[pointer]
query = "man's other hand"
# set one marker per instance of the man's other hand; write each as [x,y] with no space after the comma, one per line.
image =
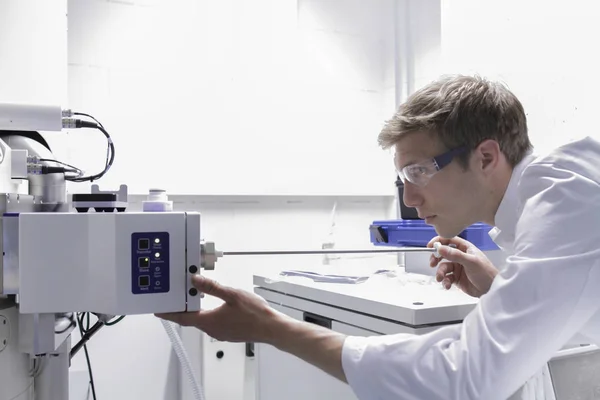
[465,266]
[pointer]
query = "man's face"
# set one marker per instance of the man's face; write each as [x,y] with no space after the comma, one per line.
[450,198]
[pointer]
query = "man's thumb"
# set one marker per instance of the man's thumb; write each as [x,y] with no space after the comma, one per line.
[211,287]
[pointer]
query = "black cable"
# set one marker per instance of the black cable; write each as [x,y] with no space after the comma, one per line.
[110,154]
[110,150]
[74,169]
[72,323]
[85,337]
[89,364]
[89,116]
[59,170]
[80,320]
[87,358]
[86,334]
[116,321]
[100,124]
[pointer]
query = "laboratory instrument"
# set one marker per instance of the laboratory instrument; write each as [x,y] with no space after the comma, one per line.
[67,257]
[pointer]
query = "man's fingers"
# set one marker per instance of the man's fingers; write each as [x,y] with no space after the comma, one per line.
[198,319]
[212,288]
[455,255]
[446,274]
[435,258]
[448,281]
[446,241]
[437,239]
[444,269]
[457,241]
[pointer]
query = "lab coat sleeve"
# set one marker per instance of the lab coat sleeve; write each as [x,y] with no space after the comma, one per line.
[546,294]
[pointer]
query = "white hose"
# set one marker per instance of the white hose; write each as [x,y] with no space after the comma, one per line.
[183,359]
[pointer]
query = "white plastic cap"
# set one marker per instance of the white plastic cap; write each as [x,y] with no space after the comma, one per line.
[437,246]
[157,201]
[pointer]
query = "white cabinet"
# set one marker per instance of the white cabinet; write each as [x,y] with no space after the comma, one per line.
[284,376]
[223,366]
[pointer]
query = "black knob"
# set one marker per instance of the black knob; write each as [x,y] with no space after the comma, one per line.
[220,354]
[193,269]
[193,291]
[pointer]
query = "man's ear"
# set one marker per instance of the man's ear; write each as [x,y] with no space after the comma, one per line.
[488,155]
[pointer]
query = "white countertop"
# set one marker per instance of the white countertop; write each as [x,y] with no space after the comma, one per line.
[397,295]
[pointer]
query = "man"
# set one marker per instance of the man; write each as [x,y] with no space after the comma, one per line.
[462,149]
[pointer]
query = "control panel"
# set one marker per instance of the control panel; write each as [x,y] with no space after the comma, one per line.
[149,262]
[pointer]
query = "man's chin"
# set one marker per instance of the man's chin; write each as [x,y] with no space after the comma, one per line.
[446,233]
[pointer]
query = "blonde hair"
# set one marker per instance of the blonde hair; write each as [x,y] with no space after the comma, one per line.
[463,111]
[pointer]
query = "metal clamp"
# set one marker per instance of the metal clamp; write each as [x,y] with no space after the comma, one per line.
[209,255]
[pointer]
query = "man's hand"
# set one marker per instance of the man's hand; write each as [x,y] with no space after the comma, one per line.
[465,266]
[244,317]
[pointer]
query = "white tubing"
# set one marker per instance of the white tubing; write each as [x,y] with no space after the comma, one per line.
[183,359]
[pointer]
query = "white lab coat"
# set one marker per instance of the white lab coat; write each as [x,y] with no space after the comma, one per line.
[548,292]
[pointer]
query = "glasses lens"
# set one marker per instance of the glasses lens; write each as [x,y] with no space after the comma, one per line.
[418,174]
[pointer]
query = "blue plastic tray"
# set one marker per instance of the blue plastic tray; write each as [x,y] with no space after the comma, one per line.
[415,233]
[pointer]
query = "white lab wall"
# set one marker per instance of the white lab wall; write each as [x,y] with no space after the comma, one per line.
[417,45]
[33,56]
[203,95]
[33,51]
[207,86]
[544,51]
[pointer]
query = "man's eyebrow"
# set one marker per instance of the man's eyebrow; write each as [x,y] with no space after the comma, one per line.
[405,164]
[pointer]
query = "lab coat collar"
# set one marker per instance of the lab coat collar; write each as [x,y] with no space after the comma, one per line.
[507,215]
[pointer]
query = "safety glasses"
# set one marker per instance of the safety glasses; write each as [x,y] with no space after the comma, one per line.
[420,173]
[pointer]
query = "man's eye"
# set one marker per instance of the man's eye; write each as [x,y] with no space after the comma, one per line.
[419,170]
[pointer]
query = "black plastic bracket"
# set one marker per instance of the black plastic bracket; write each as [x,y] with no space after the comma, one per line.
[380,234]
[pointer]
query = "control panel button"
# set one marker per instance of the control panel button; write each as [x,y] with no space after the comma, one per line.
[143,244]
[144,262]
[144,280]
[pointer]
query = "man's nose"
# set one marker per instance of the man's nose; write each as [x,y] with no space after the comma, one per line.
[411,196]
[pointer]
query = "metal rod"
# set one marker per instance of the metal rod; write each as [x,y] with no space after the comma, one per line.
[326,251]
